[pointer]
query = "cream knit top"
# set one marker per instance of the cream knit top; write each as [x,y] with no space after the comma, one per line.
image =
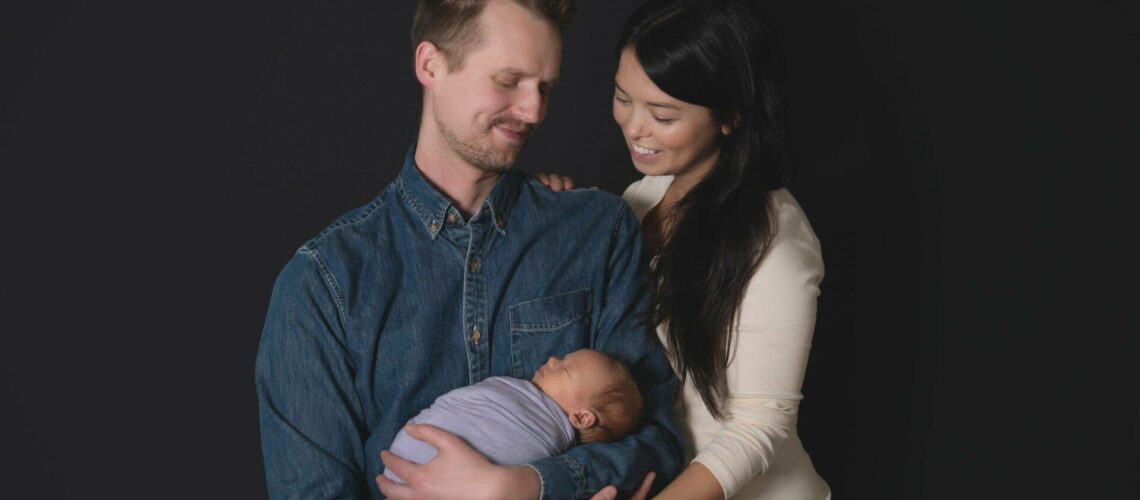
[756,453]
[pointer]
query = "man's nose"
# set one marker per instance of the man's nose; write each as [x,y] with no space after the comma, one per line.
[530,106]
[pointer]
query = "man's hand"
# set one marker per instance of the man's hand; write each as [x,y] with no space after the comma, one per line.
[457,471]
[610,492]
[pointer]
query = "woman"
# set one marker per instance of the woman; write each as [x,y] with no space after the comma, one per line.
[735,266]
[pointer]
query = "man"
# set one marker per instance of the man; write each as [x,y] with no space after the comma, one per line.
[459,270]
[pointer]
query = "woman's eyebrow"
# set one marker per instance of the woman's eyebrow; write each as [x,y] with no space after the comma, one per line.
[653,104]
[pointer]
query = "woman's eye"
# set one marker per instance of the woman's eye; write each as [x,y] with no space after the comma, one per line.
[504,83]
[621,100]
[664,121]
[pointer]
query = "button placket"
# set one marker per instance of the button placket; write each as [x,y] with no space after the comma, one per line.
[474,298]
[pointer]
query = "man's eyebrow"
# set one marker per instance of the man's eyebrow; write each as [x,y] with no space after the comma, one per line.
[652,104]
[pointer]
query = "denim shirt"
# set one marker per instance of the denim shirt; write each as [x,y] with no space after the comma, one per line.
[402,300]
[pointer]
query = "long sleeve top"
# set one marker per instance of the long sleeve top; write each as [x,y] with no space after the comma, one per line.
[756,453]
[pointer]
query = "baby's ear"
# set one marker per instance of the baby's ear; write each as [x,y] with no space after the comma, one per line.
[583,419]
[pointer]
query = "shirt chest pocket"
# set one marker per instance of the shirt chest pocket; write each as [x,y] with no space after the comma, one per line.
[549,326]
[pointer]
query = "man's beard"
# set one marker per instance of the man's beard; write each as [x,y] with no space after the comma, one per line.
[480,150]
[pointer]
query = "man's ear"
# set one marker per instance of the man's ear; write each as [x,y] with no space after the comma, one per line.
[430,64]
[583,419]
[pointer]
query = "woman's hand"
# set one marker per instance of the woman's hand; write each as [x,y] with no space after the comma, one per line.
[555,182]
[610,492]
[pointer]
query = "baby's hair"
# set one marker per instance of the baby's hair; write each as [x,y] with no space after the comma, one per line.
[618,408]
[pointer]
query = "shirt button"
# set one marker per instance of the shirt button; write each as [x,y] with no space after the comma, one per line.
[475,336]
[499,223]
[474,265]
[451,218]
[433,227]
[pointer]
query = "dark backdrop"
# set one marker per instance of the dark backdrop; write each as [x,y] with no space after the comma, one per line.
[962,162]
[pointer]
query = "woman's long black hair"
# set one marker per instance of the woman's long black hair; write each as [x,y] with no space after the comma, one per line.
[717,54]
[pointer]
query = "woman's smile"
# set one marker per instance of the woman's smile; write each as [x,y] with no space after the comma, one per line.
[643,154]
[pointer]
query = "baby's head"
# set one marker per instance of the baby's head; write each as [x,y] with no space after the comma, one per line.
[596,391]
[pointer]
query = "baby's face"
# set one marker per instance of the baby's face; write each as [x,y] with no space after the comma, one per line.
[574,380]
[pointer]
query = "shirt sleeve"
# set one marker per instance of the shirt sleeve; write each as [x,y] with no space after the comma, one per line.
[623,332]
[311,430]
[770,355]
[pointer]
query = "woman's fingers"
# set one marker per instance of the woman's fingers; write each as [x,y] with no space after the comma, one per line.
[610,492]
[643,490]
[555,182]
[607,493]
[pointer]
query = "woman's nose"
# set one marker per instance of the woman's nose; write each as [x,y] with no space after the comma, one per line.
[635,127]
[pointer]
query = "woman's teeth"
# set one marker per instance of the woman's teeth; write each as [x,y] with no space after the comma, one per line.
[643,151]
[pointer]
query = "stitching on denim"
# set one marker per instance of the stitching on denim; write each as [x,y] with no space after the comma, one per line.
[563,294]
[546,327]
[376,204]
[411,200]
[330,281]
[577,475]
[407,197]
[617,223]
[531,326]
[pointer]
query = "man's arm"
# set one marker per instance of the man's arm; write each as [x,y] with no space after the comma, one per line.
[586,469]
[311,425]
[623,332]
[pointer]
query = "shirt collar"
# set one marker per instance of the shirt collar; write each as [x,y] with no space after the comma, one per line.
[431,206]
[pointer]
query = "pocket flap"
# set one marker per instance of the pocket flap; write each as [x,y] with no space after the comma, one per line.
[550,313]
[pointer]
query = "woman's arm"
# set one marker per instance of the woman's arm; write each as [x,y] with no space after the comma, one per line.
[696,482]
[766,370]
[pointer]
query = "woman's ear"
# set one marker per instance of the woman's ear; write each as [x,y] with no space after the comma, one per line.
[430,62]
[728,127]
[583,419]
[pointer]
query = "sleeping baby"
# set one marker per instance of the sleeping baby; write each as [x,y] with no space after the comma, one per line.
[585,397]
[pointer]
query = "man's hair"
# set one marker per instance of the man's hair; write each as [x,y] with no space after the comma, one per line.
[452,25]
[618,408]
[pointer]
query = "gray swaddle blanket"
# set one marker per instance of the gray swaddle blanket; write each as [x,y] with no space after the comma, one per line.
[509,420]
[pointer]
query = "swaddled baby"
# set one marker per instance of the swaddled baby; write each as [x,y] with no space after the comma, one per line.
[585,397]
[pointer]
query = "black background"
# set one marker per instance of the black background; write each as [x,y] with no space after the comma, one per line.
[962,162]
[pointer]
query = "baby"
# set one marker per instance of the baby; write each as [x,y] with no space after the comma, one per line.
[586,395]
